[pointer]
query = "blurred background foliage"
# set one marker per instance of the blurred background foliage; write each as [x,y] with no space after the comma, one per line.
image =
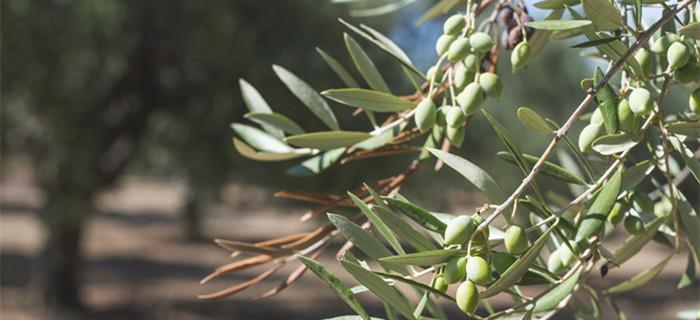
[96,90]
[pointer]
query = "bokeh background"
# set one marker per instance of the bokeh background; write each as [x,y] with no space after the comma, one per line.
[118,169]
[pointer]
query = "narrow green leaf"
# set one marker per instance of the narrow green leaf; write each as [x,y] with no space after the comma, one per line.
[558,25]
[557,294]
[365,65]
[361,238]
[439,8]
[248,152]
[307,95]
[556,4]
[639,279]
[338,68]
[533,121]
[255,103]
[276,120]
[599,210]
[316,164]
[378,223]
[369,99]
[548,168]
[477,176]
[690,129]
[415,284]
[615,143]
[403,230]
[381,289]
[336,284]
[636,174]
[689,222]
[516,271]
[636,242]
[260,140]
[425,258]
[596,42]
[604,15]
[689,275]
[326,140]
[541,37]
[388,43]
[691,30]
[419,215]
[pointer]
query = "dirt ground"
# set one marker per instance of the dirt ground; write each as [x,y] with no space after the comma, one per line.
[138,266]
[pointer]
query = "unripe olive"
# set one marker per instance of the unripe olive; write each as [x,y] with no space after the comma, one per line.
[443,43]
[520,56]
[454,117]
[491,84]
[694,101]
[677,55]
[617,213]
[471,62]
[454,24]
[642,203]
[587,135]
[480,42]
[459,230]
[501,261]
[640,101]
[455,270]
[467,297]
[483,236]
[597,116]
[478,270]
[643,57]
[439,284]
[458,49]
[627,120]
[566,255]
[634,225]
[425,114]
[462,77]
[687,73]
[554,264]
[455,135]
[435,73]
[516,240]
[470,98]
[661,45]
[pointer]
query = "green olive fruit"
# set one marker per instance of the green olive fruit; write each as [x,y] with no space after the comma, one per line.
[425,114]
[458,49]
[640,101]
[443,43]
[467,297]
[554,264]
[454,117]
[687,73]
[439,284]
[617,213]
[694,101]
[459,230]
[462,77]
[471,62]
[661,45]
[566,256]
[642,203]
[643,57]
[455,135]
[516,240]
[634,225]
[501,261]
[597,116]
[483,236]
[627,120]
[441,117]
[520,56]
[491,84]
[480,42]
[470,98]
[587,135]
[478,270]
[678,55]
[454,24]
[455,270]
[434,73]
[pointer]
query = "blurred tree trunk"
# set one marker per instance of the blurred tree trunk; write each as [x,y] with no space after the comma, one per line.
[192,214]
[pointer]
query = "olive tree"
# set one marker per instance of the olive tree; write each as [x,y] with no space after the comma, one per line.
[521,237]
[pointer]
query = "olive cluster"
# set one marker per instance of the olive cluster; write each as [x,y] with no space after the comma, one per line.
[636,209]
[636,103]
[481,266]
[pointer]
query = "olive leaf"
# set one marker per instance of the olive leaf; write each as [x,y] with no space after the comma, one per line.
[692,163]
[442,7]
[596,42]
[513,274]
[307,95]
[636,242]
[425,258]
[369,99]
[556,4]
[689,275]
[260,140]
[601,207]
[316,164]
[533,121]
[689,222]
[477,176]
[326,140]
[639,279]
[548,168]
[361,238]
[378,223]
[276,120]
[541,37]
[636,174]
[690,129]
[554,297]
[248,152]
[338,68]
[365,66]
[256,103]
[381,289]
[404,230]
[558,25]
[604,15]
[336,284]
[691,30]
[615,143]
[508,141]
[415,284]
[421,216]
